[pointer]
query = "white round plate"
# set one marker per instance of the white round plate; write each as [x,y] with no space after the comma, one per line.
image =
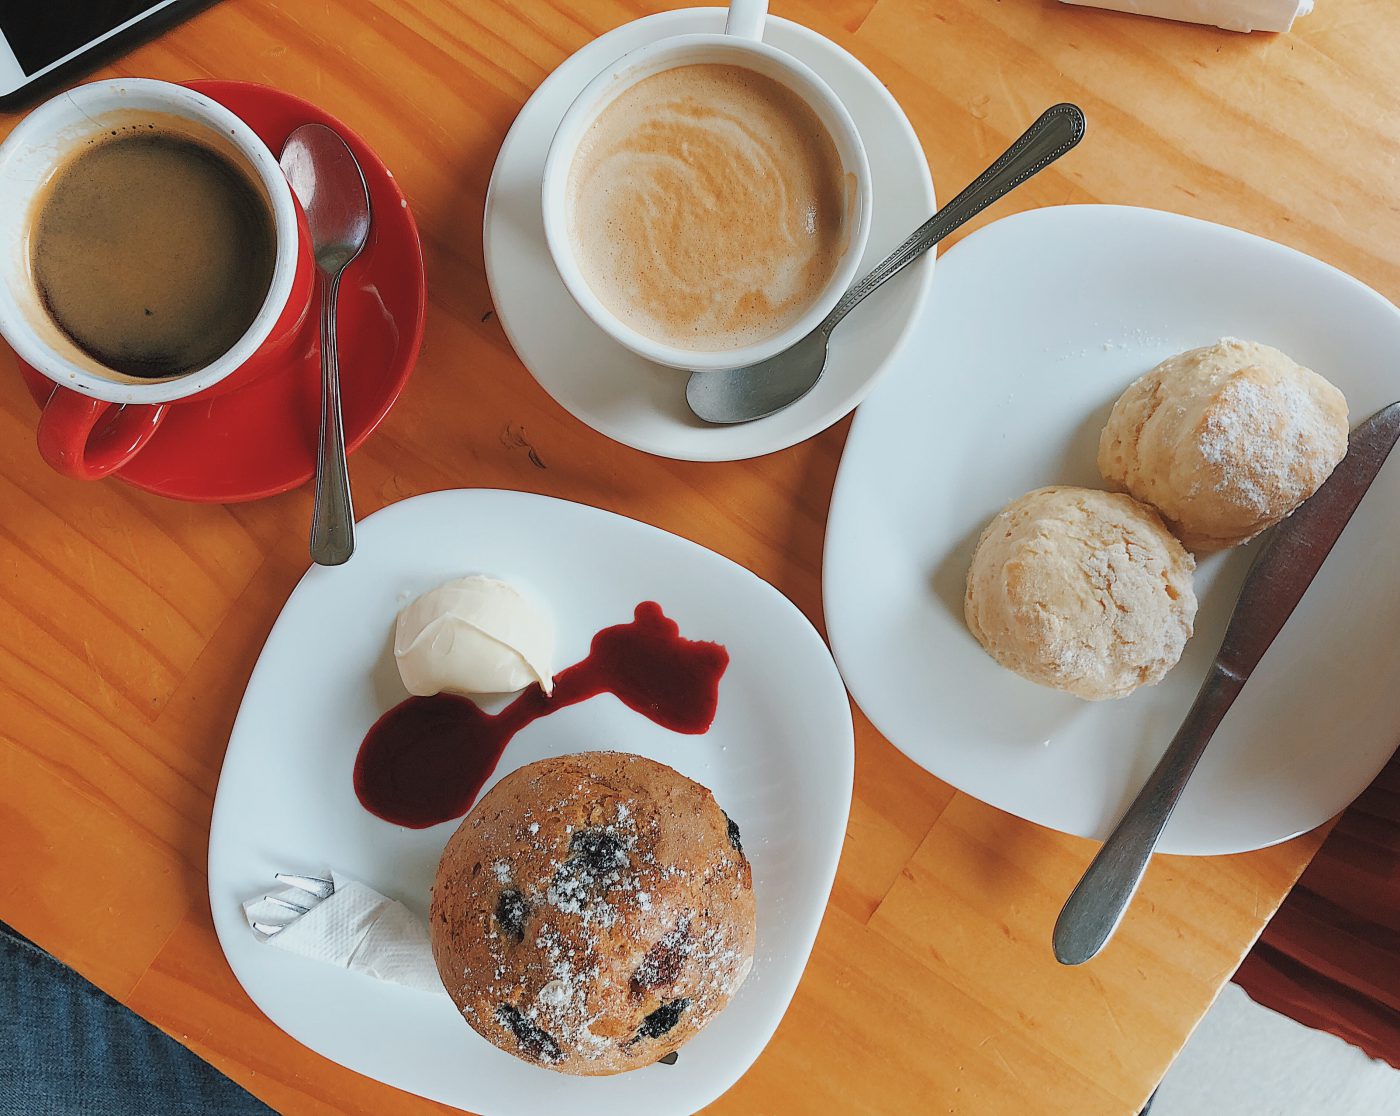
[779,758]
[1037,323]
[642,404]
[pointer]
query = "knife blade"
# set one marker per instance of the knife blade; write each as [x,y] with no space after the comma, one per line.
[1275,584]
[1300,544]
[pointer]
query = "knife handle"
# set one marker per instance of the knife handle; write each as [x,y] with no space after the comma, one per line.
[1095,907]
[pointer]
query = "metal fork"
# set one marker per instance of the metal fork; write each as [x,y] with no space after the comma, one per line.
[314,886]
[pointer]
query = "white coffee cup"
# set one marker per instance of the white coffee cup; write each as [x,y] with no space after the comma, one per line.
[740,45]
[86,390]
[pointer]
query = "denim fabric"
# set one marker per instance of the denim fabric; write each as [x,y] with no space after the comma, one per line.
[69,1049]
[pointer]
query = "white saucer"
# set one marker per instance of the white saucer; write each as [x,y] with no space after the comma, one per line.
[779,757]
[1038,323]
[642,404]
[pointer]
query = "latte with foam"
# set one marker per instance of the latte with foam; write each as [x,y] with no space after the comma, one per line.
[708,207]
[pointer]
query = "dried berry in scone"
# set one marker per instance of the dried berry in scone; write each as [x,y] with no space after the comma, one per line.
[593,912]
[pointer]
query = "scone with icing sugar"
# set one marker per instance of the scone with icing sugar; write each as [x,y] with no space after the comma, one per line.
[1224,440]
[1081,590]
[593,912]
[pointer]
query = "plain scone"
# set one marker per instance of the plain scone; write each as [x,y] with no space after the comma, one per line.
[1082,590]
[1224,440]
[593,912]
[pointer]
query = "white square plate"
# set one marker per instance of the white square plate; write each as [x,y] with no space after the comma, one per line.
[1035,326]
[779,758]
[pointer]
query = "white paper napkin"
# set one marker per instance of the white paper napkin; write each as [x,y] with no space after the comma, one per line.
[355,928]
[1232,15]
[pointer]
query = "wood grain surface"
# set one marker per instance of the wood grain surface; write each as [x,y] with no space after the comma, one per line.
[129,624]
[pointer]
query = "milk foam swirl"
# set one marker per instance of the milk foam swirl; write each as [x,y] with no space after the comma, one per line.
[707,206]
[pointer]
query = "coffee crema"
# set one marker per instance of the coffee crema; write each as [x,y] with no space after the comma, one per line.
[152,252]
[708,206]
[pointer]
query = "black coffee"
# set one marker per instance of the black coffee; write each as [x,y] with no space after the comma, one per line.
[152,252]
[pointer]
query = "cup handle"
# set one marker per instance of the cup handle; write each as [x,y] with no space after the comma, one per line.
[67,441]
[746,18]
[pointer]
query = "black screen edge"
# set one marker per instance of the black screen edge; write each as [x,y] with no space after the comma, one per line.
[90,59]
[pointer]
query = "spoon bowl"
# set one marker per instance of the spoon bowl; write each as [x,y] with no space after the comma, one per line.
[756,391]
[328,182]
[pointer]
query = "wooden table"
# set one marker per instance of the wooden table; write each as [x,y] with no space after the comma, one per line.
[128,624]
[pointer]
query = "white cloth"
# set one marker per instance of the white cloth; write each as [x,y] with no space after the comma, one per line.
[1232,15]
[355,928]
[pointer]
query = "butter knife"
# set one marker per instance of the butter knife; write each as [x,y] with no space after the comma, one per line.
[1276,583]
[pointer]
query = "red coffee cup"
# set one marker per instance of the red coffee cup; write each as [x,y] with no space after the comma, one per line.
[97,419]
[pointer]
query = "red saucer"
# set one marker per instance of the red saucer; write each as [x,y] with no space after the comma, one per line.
[261,440]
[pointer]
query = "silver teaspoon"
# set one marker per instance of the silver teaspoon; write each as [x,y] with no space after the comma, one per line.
[328,182]
[757,390]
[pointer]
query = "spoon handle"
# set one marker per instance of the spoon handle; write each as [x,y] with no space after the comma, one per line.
[1058,129]
[333,521]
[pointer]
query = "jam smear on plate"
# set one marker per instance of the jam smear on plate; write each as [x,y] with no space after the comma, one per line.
[425,760]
